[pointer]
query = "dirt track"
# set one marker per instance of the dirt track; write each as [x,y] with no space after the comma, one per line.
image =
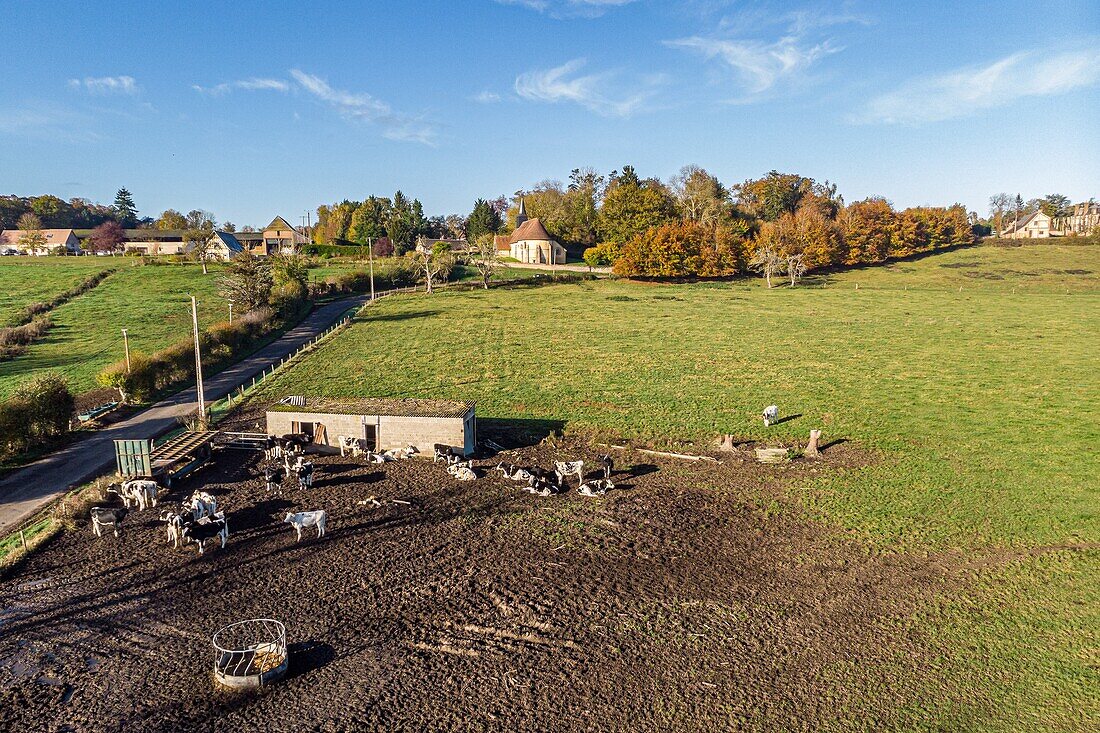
[694,597]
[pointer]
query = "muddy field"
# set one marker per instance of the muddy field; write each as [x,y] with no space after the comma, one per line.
[693,597]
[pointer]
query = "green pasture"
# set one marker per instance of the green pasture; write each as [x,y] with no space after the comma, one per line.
[970,377]
[26,280]
[152,302]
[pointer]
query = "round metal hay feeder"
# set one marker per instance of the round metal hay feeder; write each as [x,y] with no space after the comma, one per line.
[250,653]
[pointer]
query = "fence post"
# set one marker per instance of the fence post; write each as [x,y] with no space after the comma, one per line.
[23,539]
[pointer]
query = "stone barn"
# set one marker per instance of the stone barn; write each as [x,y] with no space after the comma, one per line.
[383,424]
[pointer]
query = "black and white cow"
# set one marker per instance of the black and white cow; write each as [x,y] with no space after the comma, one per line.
[273,478]
[564,469]
[463,471]
[301,520]
[201,505]
[174,523]
[305,475]
[596,487]
[110,519]
[206,529]
[607,463]
[514,473]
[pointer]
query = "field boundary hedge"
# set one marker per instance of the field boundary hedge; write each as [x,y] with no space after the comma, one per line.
[34,321]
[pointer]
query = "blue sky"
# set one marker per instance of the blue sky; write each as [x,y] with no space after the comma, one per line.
[250,109]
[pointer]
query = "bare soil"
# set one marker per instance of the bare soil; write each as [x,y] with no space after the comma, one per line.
[695,596]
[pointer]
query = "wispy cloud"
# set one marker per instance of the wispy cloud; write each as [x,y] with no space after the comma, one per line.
[105,84]
[592,91]
[486,97]
[569,8]
[763,61]
[758,64]
[970,90]
[50,122]
[252,84]
[360,106]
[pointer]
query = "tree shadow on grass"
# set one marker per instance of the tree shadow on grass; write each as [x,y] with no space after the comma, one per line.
[399,316]
[831,443]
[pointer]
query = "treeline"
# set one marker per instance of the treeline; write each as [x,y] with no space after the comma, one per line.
[694,225]
[50,212]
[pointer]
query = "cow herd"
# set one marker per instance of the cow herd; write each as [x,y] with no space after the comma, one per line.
[199,519]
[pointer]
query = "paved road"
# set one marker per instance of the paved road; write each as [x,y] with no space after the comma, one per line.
[24,491]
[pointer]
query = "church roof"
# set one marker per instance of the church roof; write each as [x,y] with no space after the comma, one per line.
[532,230]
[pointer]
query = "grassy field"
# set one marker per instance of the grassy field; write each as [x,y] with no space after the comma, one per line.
[151,302]
[26,280]
[972,375]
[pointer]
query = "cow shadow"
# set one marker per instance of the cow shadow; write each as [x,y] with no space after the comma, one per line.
[307,656]
[323,480]
[514,433]
[259,514]
[788,418]
[639,469]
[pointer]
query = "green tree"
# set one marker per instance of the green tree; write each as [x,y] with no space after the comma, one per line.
[248,281]
[631,207]
[1055,205]
[125,208]
[775,194]
[32,237]
[483,220]
[170,220]
[368,223]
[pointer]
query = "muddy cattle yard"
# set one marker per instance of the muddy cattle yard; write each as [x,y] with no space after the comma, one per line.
[695,596]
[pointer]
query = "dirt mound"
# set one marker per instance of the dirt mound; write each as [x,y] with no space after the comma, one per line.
[691,597]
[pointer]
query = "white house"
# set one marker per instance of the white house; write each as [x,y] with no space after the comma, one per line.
[55,239]
[1031,226]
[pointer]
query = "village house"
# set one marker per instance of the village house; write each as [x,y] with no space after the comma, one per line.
[1084,219]
[1036,225]
[56,241]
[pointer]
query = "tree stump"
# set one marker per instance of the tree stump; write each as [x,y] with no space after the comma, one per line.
[726,443]
[812,450]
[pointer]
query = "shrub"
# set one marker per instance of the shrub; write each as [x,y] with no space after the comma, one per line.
[683,249]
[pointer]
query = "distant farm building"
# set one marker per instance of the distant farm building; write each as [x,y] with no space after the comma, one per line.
[382,424]
[55,239]
[1084,219]
[424,244]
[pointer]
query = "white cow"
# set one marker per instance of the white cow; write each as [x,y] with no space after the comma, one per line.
[307,519]
[771,414]
[201,505]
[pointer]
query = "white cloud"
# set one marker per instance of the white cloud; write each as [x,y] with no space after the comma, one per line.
[253,84]
[361,106]
[972,89]
[105,84]
[591,91]
[487,97]
[569,8]
[758,64]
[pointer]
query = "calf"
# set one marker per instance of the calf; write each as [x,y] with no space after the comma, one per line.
[273,478]
[201,505]
[514,473]
[305,475]
[378,457]
[206,529]
[569,468]
[272,449]
[596,487]
[542,486]
[142,492]
[771,414]
[462,471]
[174,523]
[447,454]
[608,465]
[109,518]
[307,519]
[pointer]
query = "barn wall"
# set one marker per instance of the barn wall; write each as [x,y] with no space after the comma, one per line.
[393,432]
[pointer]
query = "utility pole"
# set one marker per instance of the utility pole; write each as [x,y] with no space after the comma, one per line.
[370,252]
[126,345]
[198,361]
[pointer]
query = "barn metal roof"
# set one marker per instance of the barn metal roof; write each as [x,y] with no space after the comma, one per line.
[391,407]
